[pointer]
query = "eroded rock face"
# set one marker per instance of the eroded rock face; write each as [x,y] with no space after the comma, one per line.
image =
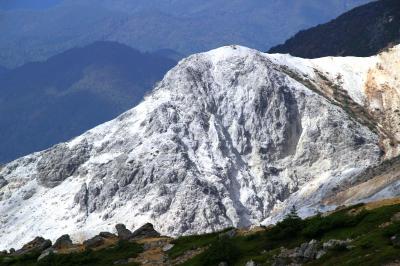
[3,182]
[59,163]
[226,139]
[383,98]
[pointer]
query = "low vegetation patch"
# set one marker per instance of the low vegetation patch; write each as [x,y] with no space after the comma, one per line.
[351,236]
[122,251]
[368,233]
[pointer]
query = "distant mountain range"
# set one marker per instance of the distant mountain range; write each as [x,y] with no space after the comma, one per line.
[28,4]
[186,26]
[48,102]
[3,70]
[364,31]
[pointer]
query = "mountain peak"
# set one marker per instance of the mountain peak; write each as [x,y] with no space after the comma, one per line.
[227,52]
[230,137]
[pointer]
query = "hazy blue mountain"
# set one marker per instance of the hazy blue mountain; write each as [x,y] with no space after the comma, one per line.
[169,53]
[185,26]
[3,70]
[363,31]
[28,4]
[48,102]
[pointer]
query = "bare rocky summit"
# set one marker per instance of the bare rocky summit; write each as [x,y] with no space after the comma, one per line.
[231,137]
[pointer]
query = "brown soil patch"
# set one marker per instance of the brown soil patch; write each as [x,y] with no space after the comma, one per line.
[251,231]
[382,203]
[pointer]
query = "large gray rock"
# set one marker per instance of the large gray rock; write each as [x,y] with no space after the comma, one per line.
[39,244]
[94,242]
[306,252]
[395,240]
[251,263]
[145,231]
[46,253]
[395,218]
[167,247]
[123,232]
[309,251]
[107,235]
[336,244]
[63,242]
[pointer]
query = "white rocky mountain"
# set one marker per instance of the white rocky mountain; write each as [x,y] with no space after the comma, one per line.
[231,137]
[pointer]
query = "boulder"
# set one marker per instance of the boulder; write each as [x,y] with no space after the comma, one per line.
[320,254]
[145,231]
[306,252]
[63,242]
[395,240]
[107,235]
[310,250]
[39,244]
[123,232]
[167,247]
[336,244]
[46,253]
[121,262]
[395,218]
[250,263]
[94,242]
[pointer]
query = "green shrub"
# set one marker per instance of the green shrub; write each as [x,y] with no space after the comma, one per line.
[288,228]
[318,226]
[366,244]
[391,230]
[107,256]
[185,243]
[222,250]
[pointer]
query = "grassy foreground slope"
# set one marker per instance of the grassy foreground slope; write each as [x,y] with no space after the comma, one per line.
[361,235]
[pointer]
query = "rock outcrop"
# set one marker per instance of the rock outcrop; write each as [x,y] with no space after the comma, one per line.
[145,231]
[123,233]
[37,245]
[309,251]
[94,242]
[63,242]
